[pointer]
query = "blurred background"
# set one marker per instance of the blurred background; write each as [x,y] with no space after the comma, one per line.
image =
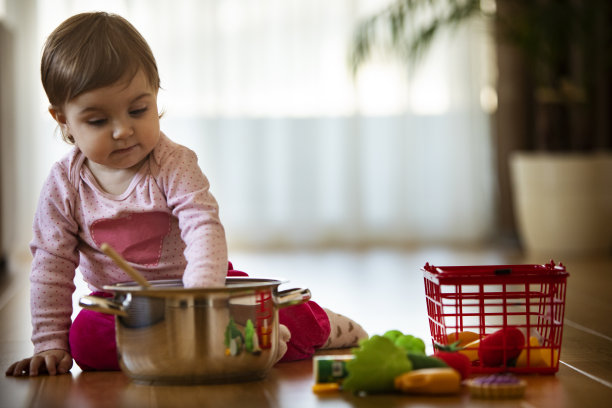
[300,152]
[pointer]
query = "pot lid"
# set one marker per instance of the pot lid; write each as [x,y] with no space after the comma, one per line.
[165,286]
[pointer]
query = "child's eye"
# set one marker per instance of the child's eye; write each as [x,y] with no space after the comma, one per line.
[138,112]
[96,122]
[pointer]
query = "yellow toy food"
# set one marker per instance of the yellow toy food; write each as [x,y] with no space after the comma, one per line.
[429,381]
[538,356]
[463,337]
[471,350]
[325,388]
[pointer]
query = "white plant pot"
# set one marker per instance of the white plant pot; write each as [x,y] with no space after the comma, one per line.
[563,202]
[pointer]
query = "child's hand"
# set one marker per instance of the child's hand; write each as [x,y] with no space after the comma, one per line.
[49,361]
[284,335]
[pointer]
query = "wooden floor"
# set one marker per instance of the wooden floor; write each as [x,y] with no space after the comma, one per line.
[381,289]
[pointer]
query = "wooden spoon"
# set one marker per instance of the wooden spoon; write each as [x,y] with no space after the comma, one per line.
[118,259]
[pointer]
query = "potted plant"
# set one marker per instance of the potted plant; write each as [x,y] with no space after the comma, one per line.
[564,50]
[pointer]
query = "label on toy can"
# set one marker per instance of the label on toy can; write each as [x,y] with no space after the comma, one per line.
[330,369]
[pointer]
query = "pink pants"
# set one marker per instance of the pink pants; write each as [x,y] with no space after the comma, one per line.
[93,347]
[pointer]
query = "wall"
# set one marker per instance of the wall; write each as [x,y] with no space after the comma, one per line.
[6,128]
[17,127]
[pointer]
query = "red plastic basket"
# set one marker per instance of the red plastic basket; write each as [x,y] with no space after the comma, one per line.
[485,299]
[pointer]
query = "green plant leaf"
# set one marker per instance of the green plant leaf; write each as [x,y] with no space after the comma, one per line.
[406,28]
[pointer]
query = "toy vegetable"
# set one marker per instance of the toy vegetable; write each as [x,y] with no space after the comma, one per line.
[408,342]
[420,361]
[499,347]
[455,360]
[376,364]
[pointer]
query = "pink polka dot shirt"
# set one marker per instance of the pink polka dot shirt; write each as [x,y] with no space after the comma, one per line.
[166,225]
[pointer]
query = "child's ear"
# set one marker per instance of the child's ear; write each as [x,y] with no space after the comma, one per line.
[62,122]
[57,114]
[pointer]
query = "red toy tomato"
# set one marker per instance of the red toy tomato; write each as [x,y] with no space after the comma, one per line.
[499,347]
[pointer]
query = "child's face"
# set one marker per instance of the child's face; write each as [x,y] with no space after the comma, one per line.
[116,126]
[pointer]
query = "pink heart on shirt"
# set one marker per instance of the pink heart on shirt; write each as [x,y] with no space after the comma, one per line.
[138,237]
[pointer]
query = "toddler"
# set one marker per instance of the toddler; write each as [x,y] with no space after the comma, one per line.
[126,183]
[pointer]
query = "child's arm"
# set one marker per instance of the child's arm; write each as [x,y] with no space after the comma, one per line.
[188,195]
[55,258]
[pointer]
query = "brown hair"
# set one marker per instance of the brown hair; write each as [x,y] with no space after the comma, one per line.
[92,50]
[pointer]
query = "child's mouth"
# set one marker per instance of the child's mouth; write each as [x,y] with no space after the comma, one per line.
[125,150]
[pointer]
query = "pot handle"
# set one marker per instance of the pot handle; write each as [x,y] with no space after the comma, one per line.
[102,305]
[291,297]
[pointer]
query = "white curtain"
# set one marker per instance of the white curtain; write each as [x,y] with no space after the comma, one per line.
[297,152]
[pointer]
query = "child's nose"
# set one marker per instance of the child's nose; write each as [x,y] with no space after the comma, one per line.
[123,129]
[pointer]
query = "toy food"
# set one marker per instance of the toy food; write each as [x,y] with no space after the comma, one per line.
[500,346]
[464,338]
[496,386]
[470,350]
[325,388]
[410,343]
[538,356]
[392,334]
[380,364]
[330,369]
[455,360]
[429,381]
[420,361]
[376,364]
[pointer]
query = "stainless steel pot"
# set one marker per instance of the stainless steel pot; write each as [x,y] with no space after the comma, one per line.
[171,334]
